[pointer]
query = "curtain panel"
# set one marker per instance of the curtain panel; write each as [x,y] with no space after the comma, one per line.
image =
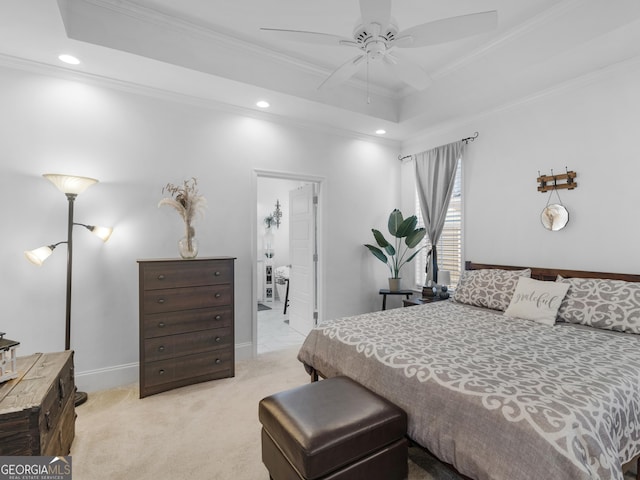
[435,171]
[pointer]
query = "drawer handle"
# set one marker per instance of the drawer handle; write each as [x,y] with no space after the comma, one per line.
[47,419]
[161,300]
[161,325]
[161,371]
[218,295]
[217,317]
[218,361]
[161,277]
[218,339]
[217,274]
[161,348]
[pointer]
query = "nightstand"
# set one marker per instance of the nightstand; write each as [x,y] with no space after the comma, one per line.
[385,291]
[412,302]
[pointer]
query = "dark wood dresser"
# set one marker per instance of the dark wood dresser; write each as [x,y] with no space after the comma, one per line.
[186,322]
[37,412]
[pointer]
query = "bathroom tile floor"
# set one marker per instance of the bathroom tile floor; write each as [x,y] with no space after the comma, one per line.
[273,332]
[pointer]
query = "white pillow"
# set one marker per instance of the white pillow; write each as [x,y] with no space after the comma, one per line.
[537,300]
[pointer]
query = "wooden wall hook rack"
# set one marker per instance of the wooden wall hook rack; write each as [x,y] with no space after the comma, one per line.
[564,180]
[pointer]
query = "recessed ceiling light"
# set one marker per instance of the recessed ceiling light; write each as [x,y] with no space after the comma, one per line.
[380,131]
[262,104]
[70,59]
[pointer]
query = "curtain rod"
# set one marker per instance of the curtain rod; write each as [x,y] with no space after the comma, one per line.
[465,140]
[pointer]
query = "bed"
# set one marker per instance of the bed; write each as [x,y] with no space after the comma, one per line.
[500,396]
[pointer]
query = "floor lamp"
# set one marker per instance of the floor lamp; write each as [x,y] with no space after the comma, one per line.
[71,186]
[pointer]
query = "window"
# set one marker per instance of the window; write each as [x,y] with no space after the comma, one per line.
[450,244]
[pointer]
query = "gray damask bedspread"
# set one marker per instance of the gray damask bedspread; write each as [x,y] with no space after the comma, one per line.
[498,398]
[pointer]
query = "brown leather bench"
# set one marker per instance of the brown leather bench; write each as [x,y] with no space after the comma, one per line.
[334,429]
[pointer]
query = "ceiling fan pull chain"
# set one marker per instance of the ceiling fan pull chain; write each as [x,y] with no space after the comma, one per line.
[368,96]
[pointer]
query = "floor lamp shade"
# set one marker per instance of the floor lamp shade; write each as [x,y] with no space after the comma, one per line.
[39,255]
[70,184]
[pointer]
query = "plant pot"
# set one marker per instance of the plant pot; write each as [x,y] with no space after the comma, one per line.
[394,284]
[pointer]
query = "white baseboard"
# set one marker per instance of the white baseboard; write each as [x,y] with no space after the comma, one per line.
[108,377]
[244,351]
[119,375]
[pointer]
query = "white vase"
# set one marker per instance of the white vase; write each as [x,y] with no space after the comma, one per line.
[394,284]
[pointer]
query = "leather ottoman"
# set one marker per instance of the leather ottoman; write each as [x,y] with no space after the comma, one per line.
[334,429]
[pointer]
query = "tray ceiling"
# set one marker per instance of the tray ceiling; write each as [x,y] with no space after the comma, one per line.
[214,51]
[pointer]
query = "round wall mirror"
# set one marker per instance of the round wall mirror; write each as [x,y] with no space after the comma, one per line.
[554,217]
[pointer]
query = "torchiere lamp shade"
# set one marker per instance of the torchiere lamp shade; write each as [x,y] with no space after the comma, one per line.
[70,184]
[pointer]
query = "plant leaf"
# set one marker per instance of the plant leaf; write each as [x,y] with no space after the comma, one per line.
[415,237]
[390,250]
[395,220]
[413,255]
[377,253]
[407,226]
[175,204]
[379,238]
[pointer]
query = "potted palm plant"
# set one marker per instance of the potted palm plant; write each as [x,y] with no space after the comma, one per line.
[397,253]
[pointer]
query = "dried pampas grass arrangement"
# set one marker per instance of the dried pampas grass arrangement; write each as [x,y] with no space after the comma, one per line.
[189,204]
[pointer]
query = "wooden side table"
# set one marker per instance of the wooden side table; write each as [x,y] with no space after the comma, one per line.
[385,291]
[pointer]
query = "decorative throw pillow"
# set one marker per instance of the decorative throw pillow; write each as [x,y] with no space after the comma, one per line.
[537,300]
[599,303]
[489,288]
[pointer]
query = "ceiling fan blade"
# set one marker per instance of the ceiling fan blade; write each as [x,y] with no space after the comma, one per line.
[409,72]
[447,30]
[343,72]
[315,38]
[376,11]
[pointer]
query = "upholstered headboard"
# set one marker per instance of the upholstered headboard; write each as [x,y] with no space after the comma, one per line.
[552,273]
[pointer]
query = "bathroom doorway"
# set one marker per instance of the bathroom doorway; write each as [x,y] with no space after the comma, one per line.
[282,248]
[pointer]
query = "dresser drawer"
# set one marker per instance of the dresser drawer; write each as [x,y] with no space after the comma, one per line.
[171,323]
[162,275]
[171,300]
[161,348]
[190,366]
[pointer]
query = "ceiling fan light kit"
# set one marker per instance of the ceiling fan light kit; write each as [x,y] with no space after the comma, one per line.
[377,36]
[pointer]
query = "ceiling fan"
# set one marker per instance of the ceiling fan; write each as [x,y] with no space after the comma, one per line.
[377,36]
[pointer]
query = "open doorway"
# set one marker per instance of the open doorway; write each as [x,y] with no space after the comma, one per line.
[286,273]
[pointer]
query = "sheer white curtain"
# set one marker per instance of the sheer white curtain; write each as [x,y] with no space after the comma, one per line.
[435,177]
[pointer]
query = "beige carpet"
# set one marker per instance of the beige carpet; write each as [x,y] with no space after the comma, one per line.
[208,431]
[201,432]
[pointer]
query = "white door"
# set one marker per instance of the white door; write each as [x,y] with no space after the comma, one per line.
[302,245]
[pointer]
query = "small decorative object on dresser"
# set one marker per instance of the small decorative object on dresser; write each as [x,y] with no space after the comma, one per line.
[37,412]
[189,204]
[8,369]
[186,322]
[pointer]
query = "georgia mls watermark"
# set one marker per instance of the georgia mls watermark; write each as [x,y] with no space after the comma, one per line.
[35,468]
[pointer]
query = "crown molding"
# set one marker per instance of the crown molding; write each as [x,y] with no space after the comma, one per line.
[528,26]
[615,69]
[46,69]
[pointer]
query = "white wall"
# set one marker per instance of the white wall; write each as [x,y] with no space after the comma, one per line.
[590,126]
[135,144]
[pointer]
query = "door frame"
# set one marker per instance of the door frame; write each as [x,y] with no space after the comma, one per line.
[320,181]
